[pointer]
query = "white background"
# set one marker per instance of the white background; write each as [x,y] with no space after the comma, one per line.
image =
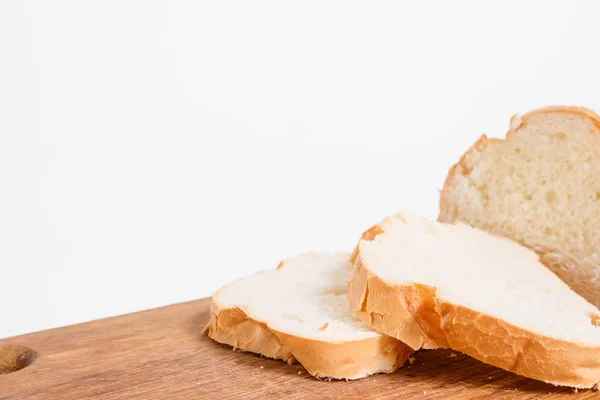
[151,151]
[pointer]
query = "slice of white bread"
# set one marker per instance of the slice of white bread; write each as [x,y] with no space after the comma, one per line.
[431,284]
[300,312]
[540,187]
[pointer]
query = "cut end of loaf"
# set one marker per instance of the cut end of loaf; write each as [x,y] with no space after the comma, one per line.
[540,187]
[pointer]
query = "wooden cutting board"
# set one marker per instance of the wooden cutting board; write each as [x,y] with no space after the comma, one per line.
[161,354]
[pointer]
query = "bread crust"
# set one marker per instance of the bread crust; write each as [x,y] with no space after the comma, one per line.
[483,337]
[367,292]
[346,360]
[579,111]
[584,278]
[233,327]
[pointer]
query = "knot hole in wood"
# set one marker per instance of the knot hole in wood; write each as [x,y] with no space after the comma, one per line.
[15,357]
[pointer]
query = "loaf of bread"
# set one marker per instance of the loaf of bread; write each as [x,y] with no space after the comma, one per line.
[299,312]
[541,187]
[491,278]
[432,284]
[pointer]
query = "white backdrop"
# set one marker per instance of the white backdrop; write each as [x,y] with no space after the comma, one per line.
[151,151]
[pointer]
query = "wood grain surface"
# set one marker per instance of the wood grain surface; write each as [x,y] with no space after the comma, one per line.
[161,354]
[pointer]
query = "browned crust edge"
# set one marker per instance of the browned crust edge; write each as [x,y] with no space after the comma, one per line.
[347,360]
[233,327]
[407,312]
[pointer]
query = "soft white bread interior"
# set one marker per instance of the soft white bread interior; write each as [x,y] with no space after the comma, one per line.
[540,187]
[431,284]
[300,312]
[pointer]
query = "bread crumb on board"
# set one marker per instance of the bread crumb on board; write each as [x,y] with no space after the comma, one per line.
[452,355]
[299,372]
[411,360]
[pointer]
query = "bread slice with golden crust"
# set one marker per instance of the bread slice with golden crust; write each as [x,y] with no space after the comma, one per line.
[299,312]
[541,187]
[431,284]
